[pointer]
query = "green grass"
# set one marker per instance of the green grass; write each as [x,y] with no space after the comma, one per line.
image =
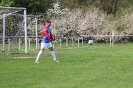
[95,66]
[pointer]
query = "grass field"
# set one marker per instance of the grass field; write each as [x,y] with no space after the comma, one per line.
[95,66]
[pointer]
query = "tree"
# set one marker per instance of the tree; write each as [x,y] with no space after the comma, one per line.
[33,6]
[72,3]
[6,2]
[109,6]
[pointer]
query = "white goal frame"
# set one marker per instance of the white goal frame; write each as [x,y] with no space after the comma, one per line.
[25,24]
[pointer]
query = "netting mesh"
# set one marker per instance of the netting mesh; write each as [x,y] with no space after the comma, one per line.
[9,23]
[14,24]
[8,12]
[31,25]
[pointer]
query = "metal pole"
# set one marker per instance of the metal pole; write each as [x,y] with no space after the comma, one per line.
[19,44]
[110,40]
[4,28]
[72,42]
[8,44]
[82,41]
[66,41]
[38,43]
[36,33]
[25,28]
[78,41]
[29,43]
[60,42]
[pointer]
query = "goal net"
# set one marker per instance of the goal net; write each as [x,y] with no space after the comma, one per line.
[13,23]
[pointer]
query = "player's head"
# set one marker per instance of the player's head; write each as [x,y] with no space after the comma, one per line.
[48,23]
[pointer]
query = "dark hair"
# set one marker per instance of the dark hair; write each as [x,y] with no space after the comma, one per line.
[47,21]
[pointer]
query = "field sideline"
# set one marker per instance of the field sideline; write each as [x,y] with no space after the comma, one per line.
[93,66]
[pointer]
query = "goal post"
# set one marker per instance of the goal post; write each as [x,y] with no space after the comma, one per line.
[25,28]
[9,11]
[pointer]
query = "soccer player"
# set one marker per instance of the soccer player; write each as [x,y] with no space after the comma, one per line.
[46,42]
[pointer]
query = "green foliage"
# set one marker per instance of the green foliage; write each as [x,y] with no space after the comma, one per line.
[33,6]
[40,6]
[6,2]
[123,9]
[113,17]
[73,3]
[29,4]
[120,29]
[108,6]
[44,5]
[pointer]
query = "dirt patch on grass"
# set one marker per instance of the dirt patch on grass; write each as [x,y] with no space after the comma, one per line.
[24,57]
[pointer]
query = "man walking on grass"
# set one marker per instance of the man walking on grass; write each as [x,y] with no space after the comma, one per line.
[46,42]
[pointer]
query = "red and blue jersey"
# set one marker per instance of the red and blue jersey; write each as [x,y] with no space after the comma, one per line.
[47,35]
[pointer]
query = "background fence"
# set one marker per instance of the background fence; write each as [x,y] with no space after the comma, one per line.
[64,42]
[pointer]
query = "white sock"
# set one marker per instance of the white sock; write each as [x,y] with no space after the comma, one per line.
[53,55]
[39,55]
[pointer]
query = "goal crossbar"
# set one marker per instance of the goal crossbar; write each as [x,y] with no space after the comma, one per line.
[17,8]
